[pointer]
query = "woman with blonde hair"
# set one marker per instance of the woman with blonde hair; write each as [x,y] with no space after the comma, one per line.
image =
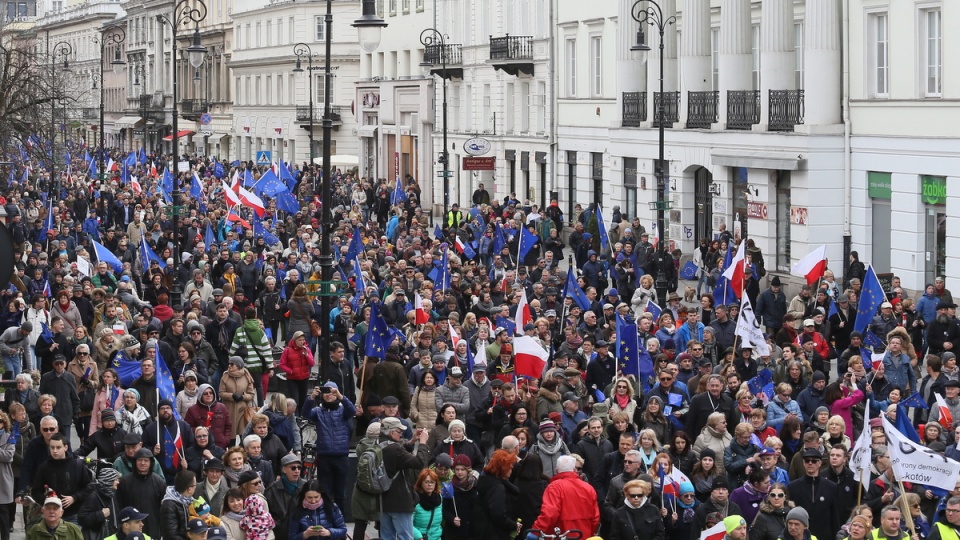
[714,436]
[644,293]
[835,434]
[623,398]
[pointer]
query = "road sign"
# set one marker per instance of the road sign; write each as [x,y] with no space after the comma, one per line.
[206,118]
[440,174]
[263,157]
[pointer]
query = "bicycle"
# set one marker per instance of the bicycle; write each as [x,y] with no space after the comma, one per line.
[572,534]
[308,446]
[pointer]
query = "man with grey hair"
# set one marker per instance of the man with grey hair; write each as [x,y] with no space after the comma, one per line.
[511,444]
[713,400]
[13,343]
[631,471]
[948,524]
[253,445]
[36,453]
[569,503]
[402,465]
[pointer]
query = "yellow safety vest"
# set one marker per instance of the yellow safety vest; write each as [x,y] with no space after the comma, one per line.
[947,532]
[904,535]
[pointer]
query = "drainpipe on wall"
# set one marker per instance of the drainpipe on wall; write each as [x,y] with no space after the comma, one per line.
[847,181]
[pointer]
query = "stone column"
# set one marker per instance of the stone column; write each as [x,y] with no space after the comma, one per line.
[822,63]
[736,60]
[696,67]
[778,60]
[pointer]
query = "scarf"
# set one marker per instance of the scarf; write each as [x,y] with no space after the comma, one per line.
[429,387]
[233,476]
[622,401]
[236,516]
[431,501]
[463,485]
[289,486]
[173,495]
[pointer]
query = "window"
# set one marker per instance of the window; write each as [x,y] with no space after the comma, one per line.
[715,56]
[393,7]
[318,89]
[798,48]
[419,6]
[596,67]
[405,6]
[878,67]
[540,109]
[269,40]
[571,54]
[321,31]
[525,99]
[380,8]
[932,65]
[783,220]
[755,45]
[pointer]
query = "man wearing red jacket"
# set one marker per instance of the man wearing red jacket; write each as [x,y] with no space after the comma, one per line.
[569,503]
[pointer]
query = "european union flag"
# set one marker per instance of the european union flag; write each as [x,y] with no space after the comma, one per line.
[437,232]
[916,401]
[832,310]
[498,239]
[871,296]
[399,195]
[196,187]
[527,241]
[147,255]
[904,426]
[248,179]
[356,245]
[507,324]
[871,340]
[689,271]
[653,309]
[105,255]
[441,273]
[602,229]
[628,348]
[45,333]
[378,336]
[218,170]
[269,185]
[165,383]
[208,237]
[723,292]
[287,202]
[572,289]
[756,384]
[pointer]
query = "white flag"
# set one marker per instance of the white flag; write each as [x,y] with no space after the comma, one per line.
[863,453]
[749,329]
[912,462]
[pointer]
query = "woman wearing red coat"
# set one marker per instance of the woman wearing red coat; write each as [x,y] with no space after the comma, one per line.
[211,414]
[297,361]
[569,503]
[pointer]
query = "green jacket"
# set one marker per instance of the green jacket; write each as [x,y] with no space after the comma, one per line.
[114,537]
[65,531]
[255,342]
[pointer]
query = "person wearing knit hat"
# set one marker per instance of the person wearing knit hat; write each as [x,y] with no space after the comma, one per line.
[736,527]
[461,460]
[458,443]
[859,528]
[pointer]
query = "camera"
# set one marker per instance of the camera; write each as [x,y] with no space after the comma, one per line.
[325,389]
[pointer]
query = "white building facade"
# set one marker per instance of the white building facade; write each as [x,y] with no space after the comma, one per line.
[271,102]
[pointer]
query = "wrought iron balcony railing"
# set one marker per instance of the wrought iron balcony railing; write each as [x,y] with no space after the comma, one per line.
[634,109]
[702,108]
[743,109]
[511,47]
[786,109]
[671,108]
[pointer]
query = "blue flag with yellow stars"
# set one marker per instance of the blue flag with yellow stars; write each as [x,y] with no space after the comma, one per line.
[378,336]
[627,349]
[128,369]
[871,296]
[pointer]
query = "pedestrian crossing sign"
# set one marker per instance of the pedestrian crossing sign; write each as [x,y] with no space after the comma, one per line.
[263,157]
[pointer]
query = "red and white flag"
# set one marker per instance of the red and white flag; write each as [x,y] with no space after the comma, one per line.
[454,336]
[946,418]
[528,357]
[735,272]
[137,189]
[812,266]
[523,313]
[232,197]
[422,316]
[717,532]
[251,200]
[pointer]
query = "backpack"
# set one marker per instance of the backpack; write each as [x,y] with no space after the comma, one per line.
[372,475]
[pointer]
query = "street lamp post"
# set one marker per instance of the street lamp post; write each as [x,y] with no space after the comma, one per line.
[435,46]
[138,72]
[61,49]
[652,14]
[184,13]
[303,50]
[113,35]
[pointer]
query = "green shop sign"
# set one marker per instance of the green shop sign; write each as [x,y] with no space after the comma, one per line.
[878,185]
[933,189]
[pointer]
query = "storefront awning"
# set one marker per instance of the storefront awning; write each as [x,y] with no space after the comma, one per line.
[180,134]
[128,121]
[215,138]
[777,161]
[367,131]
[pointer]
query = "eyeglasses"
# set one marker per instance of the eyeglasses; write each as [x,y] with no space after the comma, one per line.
[696,349]
[812,460]
[635,495]
[49,429]
[203,436]
[914,506]
[952,510]
[619,386]
[625,462]
[777,495]
[83,354]
[256,482]
[296,468]
[666,379]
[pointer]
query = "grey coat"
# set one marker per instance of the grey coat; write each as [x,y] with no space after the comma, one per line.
[459,397]
[7,451]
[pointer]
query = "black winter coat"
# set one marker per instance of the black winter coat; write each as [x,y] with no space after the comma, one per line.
[494,518]
[529,501]
[91,519]
[143,492]
[174,516]
[818,496]
[702,405]
[769,522]
[631,523]
[462,505]
[396,459]
[107,443]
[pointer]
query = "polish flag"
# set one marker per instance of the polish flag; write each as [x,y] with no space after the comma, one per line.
[454,336]
[111,165]
[812,266]
[717,532]
[735,272]
[136,185]
[233,199]
[251,200]
[422,316]
[946,419]
[153,170]
[876,360]
[523,313]
[528,357]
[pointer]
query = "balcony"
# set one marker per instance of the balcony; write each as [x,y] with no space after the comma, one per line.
[786,109]
[702,109]
[743,109]
[152,107]
[445,60]
[191,109]
[303,115]
[512,54]
[91,113]
[671,108]
[634,109]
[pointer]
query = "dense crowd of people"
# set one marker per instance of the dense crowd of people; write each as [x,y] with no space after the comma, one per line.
[186,362]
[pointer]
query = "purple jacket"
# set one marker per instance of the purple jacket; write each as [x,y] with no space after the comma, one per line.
[749,499]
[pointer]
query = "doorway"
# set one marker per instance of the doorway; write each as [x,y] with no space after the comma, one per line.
[703,201]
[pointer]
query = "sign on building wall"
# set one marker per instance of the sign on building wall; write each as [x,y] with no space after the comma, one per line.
[878,185]
[933,189]
[479,163]
[798,215]
[757,210]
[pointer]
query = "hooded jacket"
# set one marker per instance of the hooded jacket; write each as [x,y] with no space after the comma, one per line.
[296,362]
[214,417]
[332,421]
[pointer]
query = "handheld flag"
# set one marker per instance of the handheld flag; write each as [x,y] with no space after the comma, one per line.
[529,357]
[735,272]
[523,315]
[572,290]
[356,244]
[717,532]
[287,202]
[904,426]
[464,249]
[147,255]
[915,463]
[861,457]
[438,232]
[498,239]
[527,241]
[749,329]
[378,338]
[945,416]
[106,256]
[812,266]
[196,187]
[602,230]
[507,324]
[422,317]
[628,348]
[915,401]
[871,340]
[871,296]
[653,309]
[689,271]
[399,195]
[208,237]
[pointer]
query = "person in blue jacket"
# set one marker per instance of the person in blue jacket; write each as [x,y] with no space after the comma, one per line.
[331,416]
[313,513]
